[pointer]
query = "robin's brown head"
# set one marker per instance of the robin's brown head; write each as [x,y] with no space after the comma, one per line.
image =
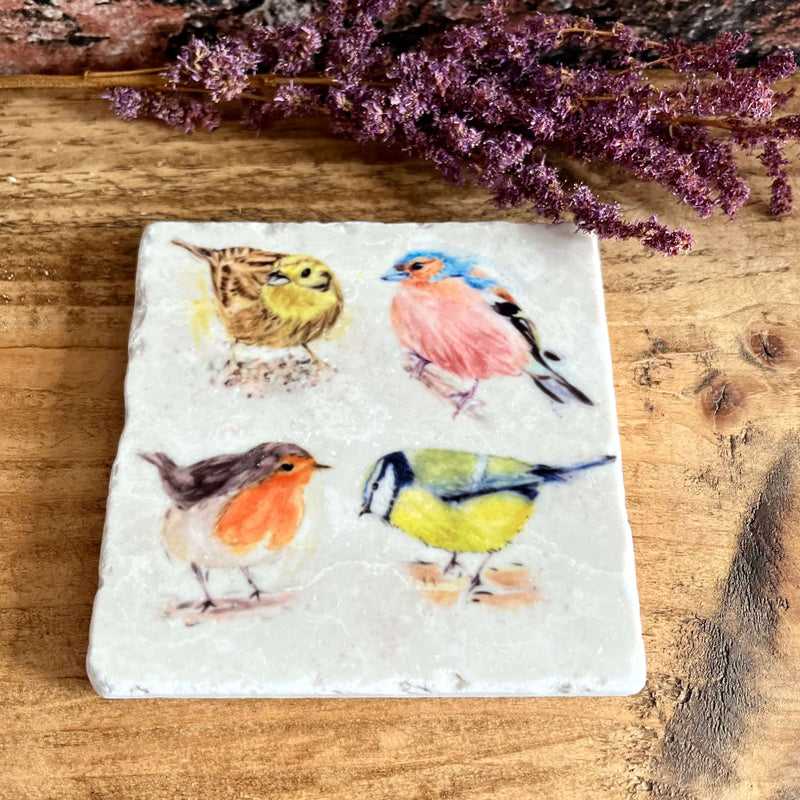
[280,462]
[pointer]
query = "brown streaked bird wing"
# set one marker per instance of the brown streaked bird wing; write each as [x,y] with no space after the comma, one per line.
[235,271]
[212,477]
[240,272]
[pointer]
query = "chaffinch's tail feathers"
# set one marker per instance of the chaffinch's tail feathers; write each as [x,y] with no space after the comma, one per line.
[551,382]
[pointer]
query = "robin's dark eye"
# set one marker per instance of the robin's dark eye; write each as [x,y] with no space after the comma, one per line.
[305,273]
[375,486]
[417,265]
[287,467]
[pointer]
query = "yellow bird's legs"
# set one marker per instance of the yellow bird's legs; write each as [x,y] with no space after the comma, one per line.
[314,358]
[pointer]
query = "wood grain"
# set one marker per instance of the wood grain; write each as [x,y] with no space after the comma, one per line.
[707,363]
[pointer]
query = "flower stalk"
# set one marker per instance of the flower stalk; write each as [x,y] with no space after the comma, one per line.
[499,100]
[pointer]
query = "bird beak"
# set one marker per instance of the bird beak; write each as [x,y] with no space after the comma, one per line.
[396,273]
[277,278]
[364,510]
[323,287]
[322,466]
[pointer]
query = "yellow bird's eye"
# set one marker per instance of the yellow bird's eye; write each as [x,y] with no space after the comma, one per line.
[305,273]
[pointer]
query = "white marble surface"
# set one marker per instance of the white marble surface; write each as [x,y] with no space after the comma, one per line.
[343,614]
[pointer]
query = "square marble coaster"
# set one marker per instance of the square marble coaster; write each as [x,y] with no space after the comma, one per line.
[366,460]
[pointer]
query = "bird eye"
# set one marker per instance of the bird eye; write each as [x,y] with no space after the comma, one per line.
[325,274]
[287,467]
[305,273]
[417,265]
[375,486]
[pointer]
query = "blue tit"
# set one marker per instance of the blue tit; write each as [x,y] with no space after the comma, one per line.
[458,501]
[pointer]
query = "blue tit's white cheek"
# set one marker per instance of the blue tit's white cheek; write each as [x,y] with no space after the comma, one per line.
[370,482]
[383,494]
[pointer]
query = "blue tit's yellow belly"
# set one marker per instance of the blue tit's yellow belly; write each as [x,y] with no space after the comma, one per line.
[477,525]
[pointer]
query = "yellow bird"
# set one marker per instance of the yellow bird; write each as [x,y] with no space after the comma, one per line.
[458,501]
[272,299]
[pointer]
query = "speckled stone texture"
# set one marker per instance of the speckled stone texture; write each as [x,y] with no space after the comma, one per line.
[67,36]
[433,552]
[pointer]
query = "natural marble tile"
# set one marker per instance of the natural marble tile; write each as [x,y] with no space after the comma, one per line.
[366,459]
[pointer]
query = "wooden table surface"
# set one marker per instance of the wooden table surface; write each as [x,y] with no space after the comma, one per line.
[707,367]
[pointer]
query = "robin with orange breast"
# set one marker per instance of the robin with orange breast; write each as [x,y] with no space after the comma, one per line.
[234,511]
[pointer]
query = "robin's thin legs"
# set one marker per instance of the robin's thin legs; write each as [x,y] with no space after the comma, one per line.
[256,591]
[198,573]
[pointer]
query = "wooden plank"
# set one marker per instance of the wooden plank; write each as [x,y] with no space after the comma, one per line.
[707,357]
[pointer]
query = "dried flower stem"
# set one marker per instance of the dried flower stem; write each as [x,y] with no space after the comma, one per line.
[490,101]
[154,79]
[646,44]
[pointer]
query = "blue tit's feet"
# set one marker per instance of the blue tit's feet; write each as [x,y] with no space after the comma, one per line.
[476,578]
[451,564]
[206,604]
[463,399]
[420,364]
[477,597]
[475,583]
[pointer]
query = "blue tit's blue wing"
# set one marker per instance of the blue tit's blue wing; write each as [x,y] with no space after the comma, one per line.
[456,477]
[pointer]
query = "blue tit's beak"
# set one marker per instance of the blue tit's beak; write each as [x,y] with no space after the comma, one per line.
[396,273]
[364,510]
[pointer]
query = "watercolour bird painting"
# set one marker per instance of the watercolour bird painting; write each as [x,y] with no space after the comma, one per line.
[272,300]
[458,501]
[234,511]
[448,313]
[493,556]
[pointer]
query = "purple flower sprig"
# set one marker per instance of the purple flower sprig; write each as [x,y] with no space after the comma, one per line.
[500,100]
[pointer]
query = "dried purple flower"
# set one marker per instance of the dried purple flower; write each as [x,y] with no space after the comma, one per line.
[223,68]
[493,99]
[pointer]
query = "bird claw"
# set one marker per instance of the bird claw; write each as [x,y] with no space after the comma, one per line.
[462,401]
[255,593]
[206,604]
[451,564]
[463,398]
[419,367]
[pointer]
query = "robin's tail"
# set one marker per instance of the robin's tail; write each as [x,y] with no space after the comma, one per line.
[162,462]
[550,474]
[203,253]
